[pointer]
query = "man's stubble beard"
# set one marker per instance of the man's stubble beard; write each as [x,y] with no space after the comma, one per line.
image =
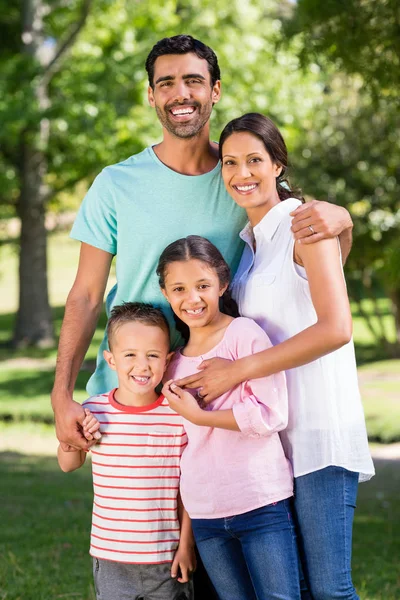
[186,130]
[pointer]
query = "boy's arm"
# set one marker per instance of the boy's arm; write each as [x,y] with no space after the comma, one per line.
[71,460]
[185,558]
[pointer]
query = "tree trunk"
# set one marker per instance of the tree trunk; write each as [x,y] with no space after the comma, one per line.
[34,323]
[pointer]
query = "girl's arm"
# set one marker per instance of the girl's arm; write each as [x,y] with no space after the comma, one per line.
[332,329]
[261,405]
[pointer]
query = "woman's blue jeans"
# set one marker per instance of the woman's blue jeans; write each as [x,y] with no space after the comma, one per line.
[252,556]
[324,509]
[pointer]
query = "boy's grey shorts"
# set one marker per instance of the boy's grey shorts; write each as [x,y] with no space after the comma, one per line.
[120,581]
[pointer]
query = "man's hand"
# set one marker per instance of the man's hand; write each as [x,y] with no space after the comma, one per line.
[317,220]
[184,562]
[69,418]
[216,376]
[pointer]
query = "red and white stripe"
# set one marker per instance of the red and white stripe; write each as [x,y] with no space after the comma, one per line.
[136,470]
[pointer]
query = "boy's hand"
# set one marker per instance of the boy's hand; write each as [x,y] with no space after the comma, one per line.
[182,402]
[91,426]
[184,562]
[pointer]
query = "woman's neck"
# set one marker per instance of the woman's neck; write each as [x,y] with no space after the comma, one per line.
[257,213]
[204,339]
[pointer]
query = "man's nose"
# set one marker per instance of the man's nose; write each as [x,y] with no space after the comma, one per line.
[182,92]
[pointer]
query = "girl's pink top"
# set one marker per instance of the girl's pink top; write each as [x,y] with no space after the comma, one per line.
[225,473]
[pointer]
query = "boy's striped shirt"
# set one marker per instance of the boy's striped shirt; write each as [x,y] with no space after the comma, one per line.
[136,481]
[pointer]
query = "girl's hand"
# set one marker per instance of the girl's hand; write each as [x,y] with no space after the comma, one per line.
[182,402]
[90,426]
[217,376]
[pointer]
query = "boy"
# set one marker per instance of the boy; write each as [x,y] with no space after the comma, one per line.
[136,533]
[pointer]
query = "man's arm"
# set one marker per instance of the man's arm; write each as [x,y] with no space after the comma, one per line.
[317,220]
[82,311]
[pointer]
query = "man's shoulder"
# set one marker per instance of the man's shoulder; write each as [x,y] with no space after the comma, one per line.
[129,165]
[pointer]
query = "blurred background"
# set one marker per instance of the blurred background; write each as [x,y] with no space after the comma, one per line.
[72,100]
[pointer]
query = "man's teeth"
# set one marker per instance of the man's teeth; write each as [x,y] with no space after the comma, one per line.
[141,379]
[196,311]
[246,188]
[182,111]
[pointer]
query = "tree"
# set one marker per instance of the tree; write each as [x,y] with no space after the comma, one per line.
[74,100]
[351,151]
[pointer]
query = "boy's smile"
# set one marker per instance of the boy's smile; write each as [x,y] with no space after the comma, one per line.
[139,355]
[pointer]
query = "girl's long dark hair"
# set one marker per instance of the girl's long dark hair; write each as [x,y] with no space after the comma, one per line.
[266,130]
[197,247]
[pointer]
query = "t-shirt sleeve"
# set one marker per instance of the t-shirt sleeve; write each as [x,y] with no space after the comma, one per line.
[96,221]
[263,406]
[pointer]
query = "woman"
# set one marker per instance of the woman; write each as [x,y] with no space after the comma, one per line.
[297,294]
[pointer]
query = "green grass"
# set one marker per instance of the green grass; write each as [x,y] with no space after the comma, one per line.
[45,530]
[46,524]
[380,386]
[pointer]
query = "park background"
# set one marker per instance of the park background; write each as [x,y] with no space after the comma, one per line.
[72,100]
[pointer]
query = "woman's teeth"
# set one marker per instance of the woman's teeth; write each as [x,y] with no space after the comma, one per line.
[245,188]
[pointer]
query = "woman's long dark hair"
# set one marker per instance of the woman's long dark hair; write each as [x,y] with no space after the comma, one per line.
[266,130]
[199,248]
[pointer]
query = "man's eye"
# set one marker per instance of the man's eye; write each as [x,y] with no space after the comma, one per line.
[165,84]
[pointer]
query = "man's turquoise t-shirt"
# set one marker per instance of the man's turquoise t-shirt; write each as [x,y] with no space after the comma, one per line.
[137,207]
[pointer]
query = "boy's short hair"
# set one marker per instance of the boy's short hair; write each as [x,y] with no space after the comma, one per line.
[183,44]
[140,312]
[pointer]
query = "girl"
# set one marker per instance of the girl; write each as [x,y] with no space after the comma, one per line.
[236,482]
[297,294]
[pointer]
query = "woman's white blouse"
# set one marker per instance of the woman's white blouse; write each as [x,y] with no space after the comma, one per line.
[326,420]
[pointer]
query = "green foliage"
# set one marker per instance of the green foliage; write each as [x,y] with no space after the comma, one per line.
[357,36]
[350,152]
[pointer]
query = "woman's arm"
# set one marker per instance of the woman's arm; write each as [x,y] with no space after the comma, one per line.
[260,405]
[332,329]
[317,220]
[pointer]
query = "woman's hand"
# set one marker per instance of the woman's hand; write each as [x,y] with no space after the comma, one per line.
[182,402]
[217,376]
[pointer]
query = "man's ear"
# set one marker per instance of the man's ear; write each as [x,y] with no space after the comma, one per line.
[216,92]
[150,96]
[109,358]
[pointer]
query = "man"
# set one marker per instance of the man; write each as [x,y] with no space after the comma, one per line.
[137,207]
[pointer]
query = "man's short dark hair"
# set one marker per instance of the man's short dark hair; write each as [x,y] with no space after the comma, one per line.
[183,44]
[140,312]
